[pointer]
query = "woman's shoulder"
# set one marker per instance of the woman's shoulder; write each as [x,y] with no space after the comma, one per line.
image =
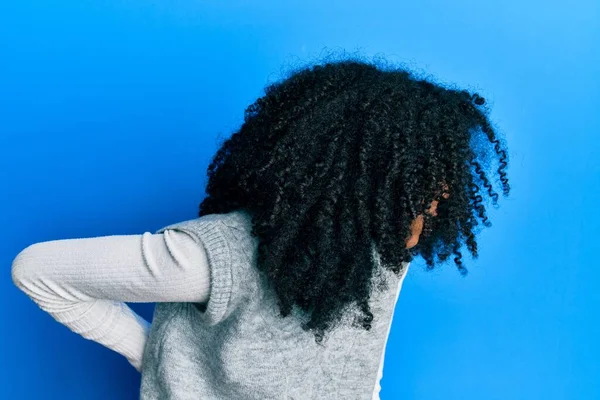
[239,219]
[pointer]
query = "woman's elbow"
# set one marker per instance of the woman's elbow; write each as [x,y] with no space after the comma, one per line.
[24,269]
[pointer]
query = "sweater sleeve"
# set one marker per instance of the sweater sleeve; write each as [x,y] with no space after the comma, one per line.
[83,283]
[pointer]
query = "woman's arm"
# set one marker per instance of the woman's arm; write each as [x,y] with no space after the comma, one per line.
[83,283]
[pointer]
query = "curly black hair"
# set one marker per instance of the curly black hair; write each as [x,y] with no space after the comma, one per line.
[343,155]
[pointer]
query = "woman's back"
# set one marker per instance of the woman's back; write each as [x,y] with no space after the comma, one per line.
[239,347]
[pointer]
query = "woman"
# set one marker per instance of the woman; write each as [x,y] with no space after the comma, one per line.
[339,175]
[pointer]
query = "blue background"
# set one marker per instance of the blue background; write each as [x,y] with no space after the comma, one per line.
[111,110]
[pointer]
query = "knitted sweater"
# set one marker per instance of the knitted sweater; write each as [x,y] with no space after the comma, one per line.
[234,347]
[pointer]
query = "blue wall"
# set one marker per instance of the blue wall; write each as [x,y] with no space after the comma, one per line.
[110,111]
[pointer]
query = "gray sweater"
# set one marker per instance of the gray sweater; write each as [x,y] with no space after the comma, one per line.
[238,347]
